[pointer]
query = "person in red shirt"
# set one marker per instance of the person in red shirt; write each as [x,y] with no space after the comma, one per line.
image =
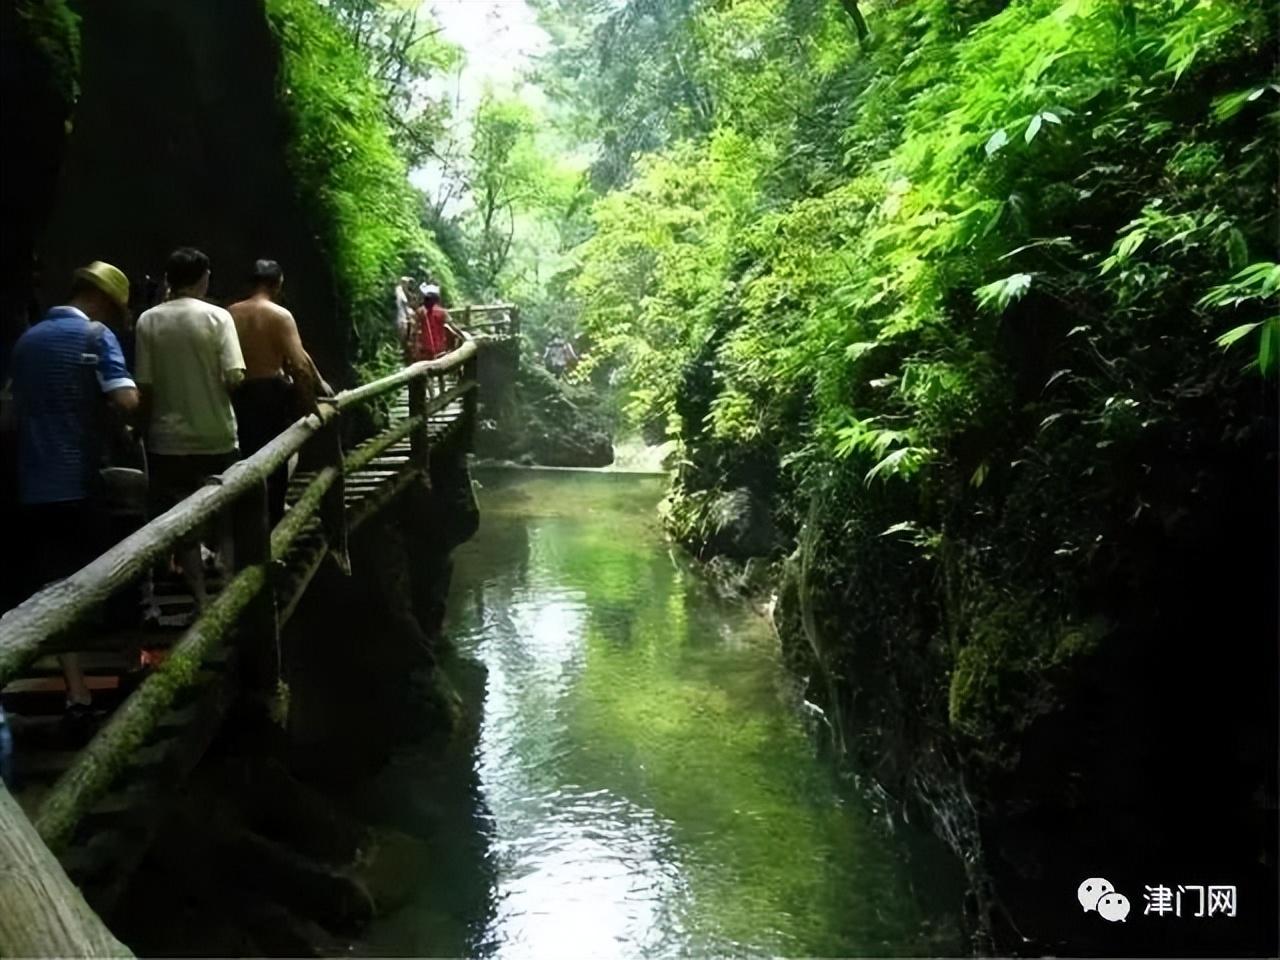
[431,338]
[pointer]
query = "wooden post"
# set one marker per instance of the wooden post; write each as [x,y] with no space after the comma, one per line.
[419,440]
[515,321]
[333,509]
[42,914]
[259,630]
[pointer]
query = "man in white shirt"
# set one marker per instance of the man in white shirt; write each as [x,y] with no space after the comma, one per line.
[189,361]
[407,298]
[404,310]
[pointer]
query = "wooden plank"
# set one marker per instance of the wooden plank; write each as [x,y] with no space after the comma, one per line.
[127,728]
[303,511]
[386,494]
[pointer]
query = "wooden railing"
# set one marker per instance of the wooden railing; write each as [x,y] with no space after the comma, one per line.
[53,618]
[492,319]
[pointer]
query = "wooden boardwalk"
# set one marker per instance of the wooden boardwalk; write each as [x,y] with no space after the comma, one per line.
[166,689]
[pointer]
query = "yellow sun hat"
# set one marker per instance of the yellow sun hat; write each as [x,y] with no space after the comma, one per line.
[110,280]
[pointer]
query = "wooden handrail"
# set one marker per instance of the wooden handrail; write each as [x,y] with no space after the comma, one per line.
[42,914]
[491,307]
[247,606]
[509,322]
[450,361]
[61,606]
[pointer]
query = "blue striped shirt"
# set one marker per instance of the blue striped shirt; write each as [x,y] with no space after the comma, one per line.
[49,383]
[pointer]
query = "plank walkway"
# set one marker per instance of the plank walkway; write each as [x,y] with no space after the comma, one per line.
[114,833]
[163,690]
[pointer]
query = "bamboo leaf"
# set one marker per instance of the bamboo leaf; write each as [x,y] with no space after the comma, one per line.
[1237,249]
[1235,333]
[1269,347]
[999,294]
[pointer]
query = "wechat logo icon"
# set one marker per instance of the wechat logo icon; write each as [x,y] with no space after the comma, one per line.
[1099,895]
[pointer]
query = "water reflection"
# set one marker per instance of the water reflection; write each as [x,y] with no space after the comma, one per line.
[646,783]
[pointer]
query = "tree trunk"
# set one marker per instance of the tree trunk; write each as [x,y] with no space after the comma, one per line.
[859,21]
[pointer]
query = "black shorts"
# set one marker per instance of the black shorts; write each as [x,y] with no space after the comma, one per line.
[265,407]
[173,478]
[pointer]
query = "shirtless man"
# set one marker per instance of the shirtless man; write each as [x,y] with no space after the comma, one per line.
[273,356]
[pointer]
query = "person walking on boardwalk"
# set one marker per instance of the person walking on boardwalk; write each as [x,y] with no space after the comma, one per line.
[559,357]
[430,335]
[281,380]
[62,368]
[405,306]
[189,362]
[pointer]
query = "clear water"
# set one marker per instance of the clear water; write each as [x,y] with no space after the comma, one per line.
[643,783]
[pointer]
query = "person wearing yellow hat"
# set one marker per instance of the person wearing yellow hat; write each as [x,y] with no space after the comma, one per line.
[102,278]
[60,367]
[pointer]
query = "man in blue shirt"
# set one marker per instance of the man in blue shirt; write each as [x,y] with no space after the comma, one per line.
[56,365]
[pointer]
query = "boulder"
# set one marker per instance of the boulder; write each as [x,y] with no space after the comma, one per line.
[571,447]
[545,421]
[741,525]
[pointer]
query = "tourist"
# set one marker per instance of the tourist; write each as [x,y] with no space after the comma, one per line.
[413,302]
[189,361]
[405,306]
[431,337]
[559,356]
[281,380]
[62,366]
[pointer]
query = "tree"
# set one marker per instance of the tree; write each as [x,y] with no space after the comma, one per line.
[520,194]
[404,49]
[627,76]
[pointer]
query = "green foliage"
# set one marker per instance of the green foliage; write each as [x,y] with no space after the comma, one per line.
[983,260]
[1256,284]
[520,197]
[54,30]
[404,51]
[347,170]
[626,76]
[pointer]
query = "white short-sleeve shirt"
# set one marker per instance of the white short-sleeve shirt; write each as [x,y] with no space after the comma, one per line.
[185,350]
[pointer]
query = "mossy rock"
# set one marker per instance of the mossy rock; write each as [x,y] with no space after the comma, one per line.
[1010,672]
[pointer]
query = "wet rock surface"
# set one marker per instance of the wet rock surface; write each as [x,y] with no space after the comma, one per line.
[741,526]
[540,419]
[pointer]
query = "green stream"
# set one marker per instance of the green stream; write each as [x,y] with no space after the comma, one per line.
[643,782]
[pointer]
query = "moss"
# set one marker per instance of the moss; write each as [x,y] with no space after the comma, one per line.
[1008,673]
[366,212]
[54,30]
